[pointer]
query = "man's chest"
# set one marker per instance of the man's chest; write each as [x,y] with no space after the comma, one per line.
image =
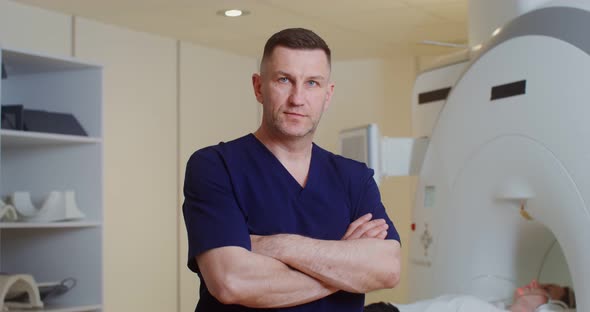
[274,206]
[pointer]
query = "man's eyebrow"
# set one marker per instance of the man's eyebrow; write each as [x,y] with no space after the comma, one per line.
[318,77]
[315,77]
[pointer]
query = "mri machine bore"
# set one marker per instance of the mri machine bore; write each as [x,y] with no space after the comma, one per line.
[503,190]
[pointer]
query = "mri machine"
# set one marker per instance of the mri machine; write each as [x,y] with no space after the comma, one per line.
[505,182]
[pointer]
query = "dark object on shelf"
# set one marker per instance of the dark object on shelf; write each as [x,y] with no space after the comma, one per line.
[12,117]
[4,74]
[43,121]
[50,292]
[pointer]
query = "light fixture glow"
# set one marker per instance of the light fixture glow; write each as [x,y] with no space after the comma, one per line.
[477,47]
[233,13]
[497,31]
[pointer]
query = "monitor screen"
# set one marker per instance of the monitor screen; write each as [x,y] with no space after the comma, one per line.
[362,144]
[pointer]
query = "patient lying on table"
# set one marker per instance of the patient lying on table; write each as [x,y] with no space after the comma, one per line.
[529,298]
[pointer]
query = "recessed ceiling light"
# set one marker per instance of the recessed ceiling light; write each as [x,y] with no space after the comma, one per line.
[232,13]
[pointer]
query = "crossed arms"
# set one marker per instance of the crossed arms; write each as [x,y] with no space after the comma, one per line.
[287,270]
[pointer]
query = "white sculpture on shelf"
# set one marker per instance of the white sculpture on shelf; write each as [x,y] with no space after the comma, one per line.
[21,201]
[7,212]
[16,285]
[57,206]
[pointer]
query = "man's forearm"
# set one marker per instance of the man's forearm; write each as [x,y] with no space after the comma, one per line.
[259,281]
[359,266]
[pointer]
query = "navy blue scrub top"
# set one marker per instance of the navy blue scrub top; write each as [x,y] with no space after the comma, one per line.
[239,188]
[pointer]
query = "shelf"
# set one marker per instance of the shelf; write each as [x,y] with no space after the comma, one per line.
[48,225]
[20,62]
[16,138]
[54,308]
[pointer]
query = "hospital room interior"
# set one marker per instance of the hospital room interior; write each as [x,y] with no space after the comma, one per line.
[472,113]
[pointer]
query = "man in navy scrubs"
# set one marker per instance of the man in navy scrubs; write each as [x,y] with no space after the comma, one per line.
[274,221]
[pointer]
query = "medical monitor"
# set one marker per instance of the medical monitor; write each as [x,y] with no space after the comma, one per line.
[362,144]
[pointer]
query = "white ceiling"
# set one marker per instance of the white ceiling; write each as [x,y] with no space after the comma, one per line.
[352,28]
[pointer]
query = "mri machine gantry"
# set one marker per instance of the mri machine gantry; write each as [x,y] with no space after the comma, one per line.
[507,170]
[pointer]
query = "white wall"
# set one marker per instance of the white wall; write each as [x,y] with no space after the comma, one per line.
[140,156]
[29,28]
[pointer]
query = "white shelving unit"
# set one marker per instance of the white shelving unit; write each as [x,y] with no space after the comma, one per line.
[51,308]
[48,225]
[43,162]
[13,138]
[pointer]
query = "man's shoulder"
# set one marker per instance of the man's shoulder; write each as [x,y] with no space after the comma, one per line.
[341,162]
[346,168]
[224,147]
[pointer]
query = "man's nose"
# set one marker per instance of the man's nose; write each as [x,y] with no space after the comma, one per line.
[297,96]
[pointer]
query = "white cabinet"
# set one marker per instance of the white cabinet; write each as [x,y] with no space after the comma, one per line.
[43,162]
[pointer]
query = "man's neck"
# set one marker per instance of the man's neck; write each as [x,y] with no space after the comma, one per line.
[287,149]
[294,154]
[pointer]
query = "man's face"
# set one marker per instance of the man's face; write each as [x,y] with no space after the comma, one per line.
[294,89]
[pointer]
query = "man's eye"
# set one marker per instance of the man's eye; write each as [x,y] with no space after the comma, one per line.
[312,83]
[283,79]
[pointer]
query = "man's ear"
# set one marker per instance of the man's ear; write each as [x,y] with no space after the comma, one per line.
[257,85]
[329,94]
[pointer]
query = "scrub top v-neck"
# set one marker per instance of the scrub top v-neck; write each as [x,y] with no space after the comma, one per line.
[274,164]
[319,210]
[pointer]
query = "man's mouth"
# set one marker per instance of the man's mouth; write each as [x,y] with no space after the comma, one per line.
[294,114]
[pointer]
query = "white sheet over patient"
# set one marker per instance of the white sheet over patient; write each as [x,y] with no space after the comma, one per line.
[450,303]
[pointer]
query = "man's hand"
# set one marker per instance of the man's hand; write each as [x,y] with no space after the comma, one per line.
[364,227]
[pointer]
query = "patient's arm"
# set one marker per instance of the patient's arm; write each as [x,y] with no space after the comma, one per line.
[353,265]
[235,275]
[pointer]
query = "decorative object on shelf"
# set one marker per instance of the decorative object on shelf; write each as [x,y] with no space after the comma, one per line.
[15,285]
[57,206]
[51,290]
[21,201]
[51,122]
[16,117]
[7,212]
[12,117]
[48,291]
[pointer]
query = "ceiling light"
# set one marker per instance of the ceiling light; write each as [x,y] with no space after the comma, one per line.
[232,13]
[477,47]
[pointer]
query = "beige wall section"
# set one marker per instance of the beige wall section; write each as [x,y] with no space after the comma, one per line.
[399,73]
[216,104]
[359,99]
[29,28]
[140,157]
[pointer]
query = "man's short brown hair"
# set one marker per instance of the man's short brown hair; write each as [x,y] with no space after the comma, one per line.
[298,39]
